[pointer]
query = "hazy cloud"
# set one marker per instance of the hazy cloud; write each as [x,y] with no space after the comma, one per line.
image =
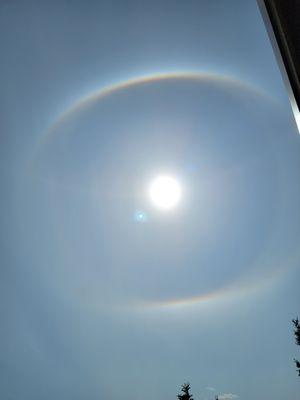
[227,396]
[211,389]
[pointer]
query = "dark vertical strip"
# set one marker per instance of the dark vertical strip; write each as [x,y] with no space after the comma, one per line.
[282,20]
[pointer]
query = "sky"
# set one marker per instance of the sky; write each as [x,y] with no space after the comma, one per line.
[103,295]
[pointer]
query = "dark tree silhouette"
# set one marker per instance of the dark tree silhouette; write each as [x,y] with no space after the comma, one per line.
[185,388]
[297,336]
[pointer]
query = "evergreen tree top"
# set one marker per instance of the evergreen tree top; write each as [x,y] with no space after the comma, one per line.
[185,388]
[297,330]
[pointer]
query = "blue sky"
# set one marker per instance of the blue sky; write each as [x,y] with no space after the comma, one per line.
[96,303]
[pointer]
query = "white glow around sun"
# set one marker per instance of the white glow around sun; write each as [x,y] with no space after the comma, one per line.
[165,192]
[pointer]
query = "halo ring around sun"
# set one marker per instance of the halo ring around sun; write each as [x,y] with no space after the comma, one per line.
[197,77]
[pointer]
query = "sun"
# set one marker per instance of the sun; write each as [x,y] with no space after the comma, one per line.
[165,192]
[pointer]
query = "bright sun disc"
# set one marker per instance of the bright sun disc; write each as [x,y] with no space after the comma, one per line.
[165,192]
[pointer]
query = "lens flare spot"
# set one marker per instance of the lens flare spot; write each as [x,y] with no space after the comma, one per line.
[140,216]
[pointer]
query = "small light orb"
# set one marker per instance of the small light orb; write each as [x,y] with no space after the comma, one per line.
[140,216]
[165,192]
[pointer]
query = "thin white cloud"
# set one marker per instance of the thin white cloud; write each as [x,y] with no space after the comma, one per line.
[210,388]
[227,396]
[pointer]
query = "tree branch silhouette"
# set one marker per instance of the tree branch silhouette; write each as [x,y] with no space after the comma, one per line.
[297,336]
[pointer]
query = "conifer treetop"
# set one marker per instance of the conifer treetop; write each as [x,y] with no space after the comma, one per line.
[185,389]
